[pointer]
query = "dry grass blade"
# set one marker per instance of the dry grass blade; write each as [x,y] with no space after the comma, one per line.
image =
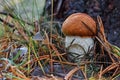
[105,45]
[107,48]
[71,73]
[18,73]
[57,54]
[67,63]
[100,73]
[116,71]
[101,34]
[21,31]
[111,67]
[47,41]
[101,27]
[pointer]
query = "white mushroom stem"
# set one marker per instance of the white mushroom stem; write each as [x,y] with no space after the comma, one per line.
[78,45]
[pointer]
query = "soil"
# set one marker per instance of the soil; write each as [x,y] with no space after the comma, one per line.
[109,10]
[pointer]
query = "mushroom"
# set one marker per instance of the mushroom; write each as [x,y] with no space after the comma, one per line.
[80,30]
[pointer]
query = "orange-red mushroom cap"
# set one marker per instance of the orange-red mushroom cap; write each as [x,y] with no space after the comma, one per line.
[79,24]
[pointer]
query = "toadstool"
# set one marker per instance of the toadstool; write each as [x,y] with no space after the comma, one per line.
[79,29]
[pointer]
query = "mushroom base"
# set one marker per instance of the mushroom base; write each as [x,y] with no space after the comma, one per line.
[78,46]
